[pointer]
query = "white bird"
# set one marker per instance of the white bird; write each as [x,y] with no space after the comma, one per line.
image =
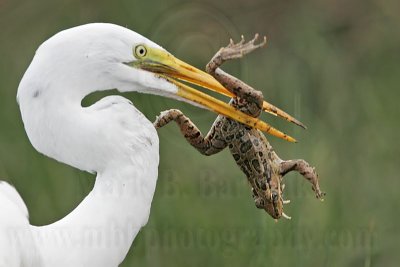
[110,138]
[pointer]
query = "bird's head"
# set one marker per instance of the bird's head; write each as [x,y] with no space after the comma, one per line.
[94,57]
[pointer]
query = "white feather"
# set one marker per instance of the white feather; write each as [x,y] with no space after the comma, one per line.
[110,138]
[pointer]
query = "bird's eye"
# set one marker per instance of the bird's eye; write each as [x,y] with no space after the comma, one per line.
[140,51]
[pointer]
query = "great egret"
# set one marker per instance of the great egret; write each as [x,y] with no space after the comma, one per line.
[110,138]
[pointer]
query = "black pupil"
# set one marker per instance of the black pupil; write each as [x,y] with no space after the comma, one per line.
[141,51]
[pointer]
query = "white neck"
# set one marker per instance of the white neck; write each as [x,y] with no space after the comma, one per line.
[100,231]
[112,134]
[110,138]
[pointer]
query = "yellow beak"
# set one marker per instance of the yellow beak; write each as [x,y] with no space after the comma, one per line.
[161,62]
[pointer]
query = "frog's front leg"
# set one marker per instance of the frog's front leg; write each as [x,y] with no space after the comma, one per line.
[253,97]
[302,167]
[209,145]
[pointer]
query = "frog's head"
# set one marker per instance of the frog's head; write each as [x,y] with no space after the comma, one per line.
[275,207]
[271,201]
[274,203]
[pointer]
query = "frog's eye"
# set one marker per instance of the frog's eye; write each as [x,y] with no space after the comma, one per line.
[140,51]
[274,196]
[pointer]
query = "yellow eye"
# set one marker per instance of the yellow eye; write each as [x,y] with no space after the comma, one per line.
[140,51]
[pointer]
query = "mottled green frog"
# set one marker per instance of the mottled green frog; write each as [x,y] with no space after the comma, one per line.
[248,146]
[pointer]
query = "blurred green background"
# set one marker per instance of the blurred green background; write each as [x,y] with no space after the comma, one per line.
[333,64]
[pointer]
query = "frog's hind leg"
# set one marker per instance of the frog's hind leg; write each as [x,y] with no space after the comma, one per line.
[308,172]
[209,145]
[233,84]
[236,86]
[233,51]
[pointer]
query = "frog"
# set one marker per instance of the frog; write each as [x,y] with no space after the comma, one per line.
[249,147]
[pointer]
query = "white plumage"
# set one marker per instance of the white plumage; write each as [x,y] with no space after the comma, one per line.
[111,138]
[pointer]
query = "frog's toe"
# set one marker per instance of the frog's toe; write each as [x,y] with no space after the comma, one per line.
[284,215]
